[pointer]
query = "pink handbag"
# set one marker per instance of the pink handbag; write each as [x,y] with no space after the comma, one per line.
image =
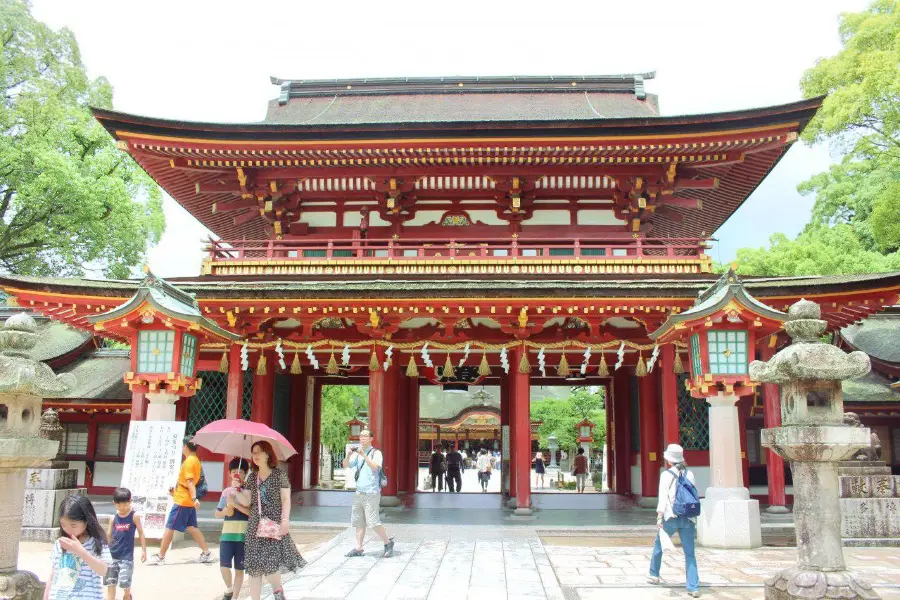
[267,528]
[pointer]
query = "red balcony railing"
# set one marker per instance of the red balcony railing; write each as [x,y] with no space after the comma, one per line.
[674,250]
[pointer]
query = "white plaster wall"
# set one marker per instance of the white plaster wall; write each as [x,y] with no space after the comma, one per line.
[108,474]
[213,471]
[636,480]
[80,466]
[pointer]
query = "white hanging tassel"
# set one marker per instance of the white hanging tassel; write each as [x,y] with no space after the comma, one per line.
[280,352]
[504,360]
[653,358]
[345,355]
[245,357]
[542,367]
[312,357]
[465,357]
[587,359]
[425,357]
[621,354]
[387,357]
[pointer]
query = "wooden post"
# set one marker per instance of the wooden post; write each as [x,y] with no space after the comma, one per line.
[651,448]
[234,397]
[610,438]
[669,396]
[522,435]
[263,393]
[387,439]
[621,397]
[298,420]
[772,418]
[412,394]
[316,445]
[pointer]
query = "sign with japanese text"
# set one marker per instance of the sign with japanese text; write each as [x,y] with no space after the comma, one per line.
[152,460]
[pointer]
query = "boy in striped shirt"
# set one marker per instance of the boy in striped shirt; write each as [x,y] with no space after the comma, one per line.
[234,530]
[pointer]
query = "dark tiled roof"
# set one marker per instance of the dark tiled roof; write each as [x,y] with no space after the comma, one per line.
[878,336]
[871,388]
[99,376]
[54,339]
[461,99]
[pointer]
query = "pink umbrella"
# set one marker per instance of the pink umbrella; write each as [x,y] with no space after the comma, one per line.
[234,437]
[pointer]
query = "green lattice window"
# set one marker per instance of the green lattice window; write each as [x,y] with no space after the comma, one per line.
[727,352]
[188,354]
[208,404]
[693,418]
[593,251]
[562,251]
[696,365]
[155,349]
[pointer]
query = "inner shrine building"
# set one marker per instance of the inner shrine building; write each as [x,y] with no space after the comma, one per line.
[513,232]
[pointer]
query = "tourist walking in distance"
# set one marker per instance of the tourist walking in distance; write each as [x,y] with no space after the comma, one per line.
[539,469]
[80,557]
[269,549]
[120,532]
[365,463]
[677,511]
[234,529]
[183,516]
[484,464]
[437,468]
[580,470]
[454,470]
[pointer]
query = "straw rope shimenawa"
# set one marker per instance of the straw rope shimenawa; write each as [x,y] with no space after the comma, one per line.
[443,346]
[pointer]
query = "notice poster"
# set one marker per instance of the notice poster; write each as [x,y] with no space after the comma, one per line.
[152,461]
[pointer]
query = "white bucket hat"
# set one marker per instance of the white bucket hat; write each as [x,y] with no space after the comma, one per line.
[674,454]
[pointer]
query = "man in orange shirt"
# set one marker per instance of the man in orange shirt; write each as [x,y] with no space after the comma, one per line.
[183,516]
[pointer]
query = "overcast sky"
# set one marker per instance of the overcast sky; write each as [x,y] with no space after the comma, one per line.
[211,61]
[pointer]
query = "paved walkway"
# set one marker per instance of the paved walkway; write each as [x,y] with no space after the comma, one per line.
[505,562]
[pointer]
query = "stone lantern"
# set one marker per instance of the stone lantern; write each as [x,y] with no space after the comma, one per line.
[23,385]
[814,439]
[722,330]
[165,329]
[553,445]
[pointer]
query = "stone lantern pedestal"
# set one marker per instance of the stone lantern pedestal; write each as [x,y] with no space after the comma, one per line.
[815,441]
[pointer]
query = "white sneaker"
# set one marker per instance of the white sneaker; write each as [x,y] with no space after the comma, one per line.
[156,561]
[694,594]
[206,557]
[652,580]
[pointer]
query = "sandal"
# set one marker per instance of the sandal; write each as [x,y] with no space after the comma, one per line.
[353,553]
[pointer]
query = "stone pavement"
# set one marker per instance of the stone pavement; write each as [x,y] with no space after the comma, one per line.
[514,562]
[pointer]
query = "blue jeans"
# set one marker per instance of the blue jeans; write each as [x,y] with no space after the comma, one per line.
[687,531]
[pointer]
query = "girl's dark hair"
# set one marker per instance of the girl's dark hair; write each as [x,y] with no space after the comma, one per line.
[189,442]
[267,448]
[238,463]
[581,451]
[79,508]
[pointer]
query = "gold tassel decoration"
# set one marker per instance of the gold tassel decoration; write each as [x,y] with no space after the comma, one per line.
[223,364]
[261,365]
[374,363]
[563,368]
[296,369]
[332,368]
[524,365]
[677,365]
[484,369]
[603,370]
[411,369]
[448,371]
[641,369]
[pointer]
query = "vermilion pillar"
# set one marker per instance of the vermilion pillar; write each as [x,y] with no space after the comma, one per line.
[403,426]
[316,445]
[774,463]
[389,433]
[522,434]
[412,395]
[669,395]
[234,395]
[264,393]
[610,439]
[621,398]
[651,447]
[298,422]
[138,407]
[376,399]
[511,404]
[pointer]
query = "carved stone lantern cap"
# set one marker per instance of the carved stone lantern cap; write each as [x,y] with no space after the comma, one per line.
[808,357]
[19,374]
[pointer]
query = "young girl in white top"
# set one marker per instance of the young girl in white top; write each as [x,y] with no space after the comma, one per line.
[80,557]
[668,521]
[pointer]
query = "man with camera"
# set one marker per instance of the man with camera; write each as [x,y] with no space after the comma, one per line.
[365,463]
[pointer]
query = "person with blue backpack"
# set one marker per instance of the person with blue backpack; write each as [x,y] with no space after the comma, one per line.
[677,511]
[365,463]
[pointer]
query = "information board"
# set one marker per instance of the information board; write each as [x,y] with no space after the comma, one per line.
[152,460]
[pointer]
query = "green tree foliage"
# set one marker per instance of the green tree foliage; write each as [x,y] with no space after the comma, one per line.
[560,417]
[69,199]
[340,403]
[858,198]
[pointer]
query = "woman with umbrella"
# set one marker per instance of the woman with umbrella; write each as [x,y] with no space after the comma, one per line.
[269,549]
